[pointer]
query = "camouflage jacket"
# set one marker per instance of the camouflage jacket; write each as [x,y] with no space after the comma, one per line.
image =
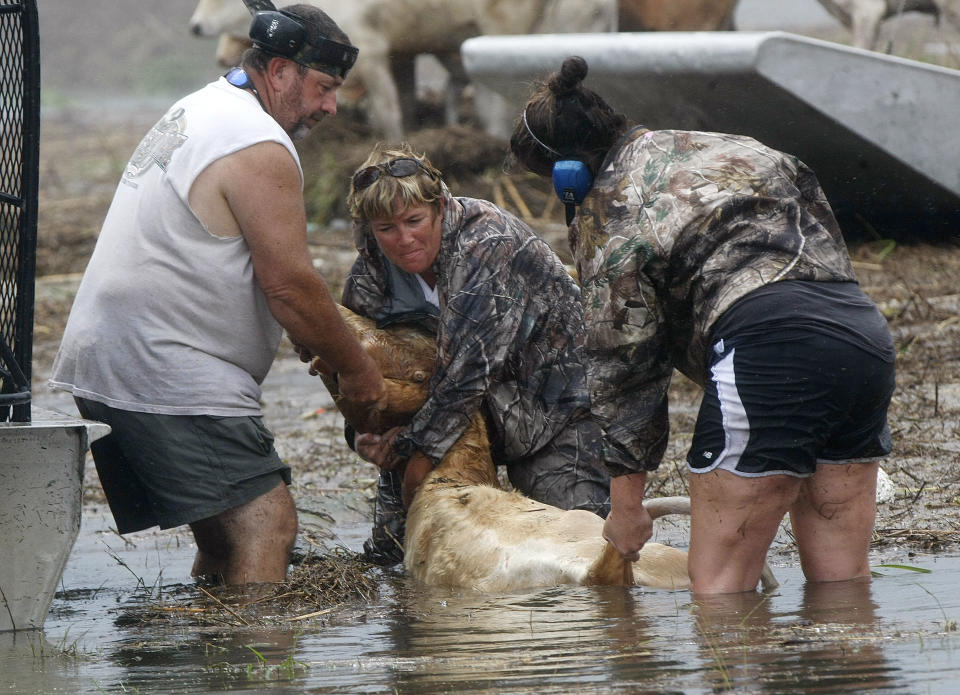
[677,227]
[509,333]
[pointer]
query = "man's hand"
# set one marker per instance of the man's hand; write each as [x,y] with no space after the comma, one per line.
[629,525]
[303,352]
[317,365]
[364,386]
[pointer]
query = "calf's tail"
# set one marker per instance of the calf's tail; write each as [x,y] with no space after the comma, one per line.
[611,569]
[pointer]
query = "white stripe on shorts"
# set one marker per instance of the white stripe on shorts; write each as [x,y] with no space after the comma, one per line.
[736,426]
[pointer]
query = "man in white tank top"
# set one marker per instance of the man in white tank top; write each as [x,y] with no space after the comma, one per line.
[201,263]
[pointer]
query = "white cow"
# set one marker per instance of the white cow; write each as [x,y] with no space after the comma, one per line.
[391,33]
[864,17]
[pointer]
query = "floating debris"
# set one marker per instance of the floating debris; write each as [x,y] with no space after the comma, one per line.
[318,585]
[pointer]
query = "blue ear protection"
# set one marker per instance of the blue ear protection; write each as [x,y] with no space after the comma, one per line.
[572,181]
[238,78]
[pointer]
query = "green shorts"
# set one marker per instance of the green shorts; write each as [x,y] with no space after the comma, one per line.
[169,470]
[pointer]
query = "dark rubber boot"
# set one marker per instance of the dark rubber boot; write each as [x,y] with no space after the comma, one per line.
[385,545]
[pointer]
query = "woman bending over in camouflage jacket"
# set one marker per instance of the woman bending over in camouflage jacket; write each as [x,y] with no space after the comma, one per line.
[510,331]
[720,257]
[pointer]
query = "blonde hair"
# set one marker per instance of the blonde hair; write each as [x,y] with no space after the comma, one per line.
[388,194]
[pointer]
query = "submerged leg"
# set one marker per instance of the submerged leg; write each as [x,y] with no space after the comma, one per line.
[733,521]
[250,543]
[833,520]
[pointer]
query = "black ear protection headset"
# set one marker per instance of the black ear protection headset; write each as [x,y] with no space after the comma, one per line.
[283,34]
[572,178]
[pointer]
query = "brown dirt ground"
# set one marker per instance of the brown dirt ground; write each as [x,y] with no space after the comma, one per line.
[915,285]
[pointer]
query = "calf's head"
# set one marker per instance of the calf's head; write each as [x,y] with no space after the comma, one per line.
[406,355]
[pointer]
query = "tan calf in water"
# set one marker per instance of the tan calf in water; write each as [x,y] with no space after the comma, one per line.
[463,530]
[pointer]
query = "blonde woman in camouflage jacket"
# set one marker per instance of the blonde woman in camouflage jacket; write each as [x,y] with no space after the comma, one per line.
[719,257]
[509,328]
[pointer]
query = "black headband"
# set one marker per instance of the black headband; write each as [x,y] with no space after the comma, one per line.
[283,34]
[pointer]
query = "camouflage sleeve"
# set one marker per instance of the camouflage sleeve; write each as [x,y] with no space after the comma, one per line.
[474,338]
[628,362]
[363,291]
[478,330]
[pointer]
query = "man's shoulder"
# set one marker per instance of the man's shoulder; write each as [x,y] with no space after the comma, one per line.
[220,110]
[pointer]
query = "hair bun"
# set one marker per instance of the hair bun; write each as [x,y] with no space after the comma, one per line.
[568,78]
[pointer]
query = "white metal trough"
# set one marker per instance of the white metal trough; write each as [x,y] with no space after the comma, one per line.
[880,132]
[41,489]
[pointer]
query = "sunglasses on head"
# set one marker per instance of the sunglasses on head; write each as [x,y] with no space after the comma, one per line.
[397,168]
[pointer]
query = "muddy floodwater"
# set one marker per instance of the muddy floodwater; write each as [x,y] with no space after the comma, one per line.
[897,633]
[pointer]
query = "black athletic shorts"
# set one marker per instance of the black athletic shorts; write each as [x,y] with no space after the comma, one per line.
[782,396]
[169,470]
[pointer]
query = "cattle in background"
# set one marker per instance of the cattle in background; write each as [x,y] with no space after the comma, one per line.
[864,17]
[391,33]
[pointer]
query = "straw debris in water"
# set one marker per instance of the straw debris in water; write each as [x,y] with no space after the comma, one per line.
[319,585]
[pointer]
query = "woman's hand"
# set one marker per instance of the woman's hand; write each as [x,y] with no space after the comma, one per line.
[629,525]
[377,448]
[417,469]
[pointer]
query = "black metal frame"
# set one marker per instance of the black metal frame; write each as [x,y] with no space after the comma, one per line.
[18,229]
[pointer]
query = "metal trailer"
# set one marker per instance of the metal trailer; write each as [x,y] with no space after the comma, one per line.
[879,131]
[41,458]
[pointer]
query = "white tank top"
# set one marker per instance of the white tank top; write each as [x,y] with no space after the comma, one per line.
[168,317]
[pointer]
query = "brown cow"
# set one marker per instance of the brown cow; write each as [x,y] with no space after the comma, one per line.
[676,15]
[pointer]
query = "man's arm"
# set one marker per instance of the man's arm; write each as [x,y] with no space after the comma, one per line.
[256,192]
